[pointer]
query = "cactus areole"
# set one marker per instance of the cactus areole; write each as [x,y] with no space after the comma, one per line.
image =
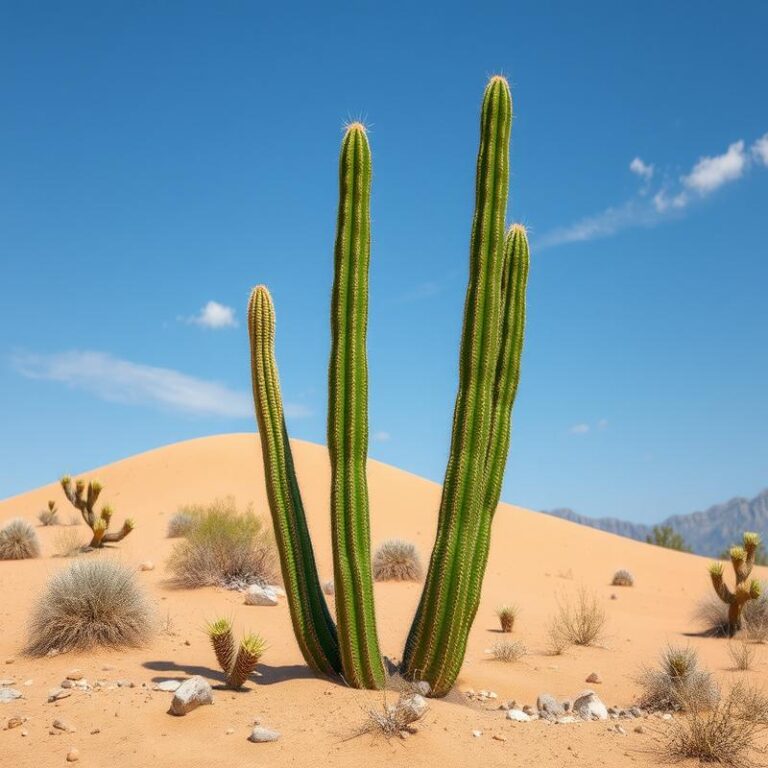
[489,370]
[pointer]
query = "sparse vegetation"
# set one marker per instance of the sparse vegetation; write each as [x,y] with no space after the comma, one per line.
[394,720]
[678,683]
[397,560]
[182,522]
[578,621]
[84,499]
[507,614]
[508,651]
[18,541]
[224,548]
[713,614]
[623,578]
[239,666]
[68,543]
[666,536]
[742,654]
[90,603]
[49,516]
[727,733]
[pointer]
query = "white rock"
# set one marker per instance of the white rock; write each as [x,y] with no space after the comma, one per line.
[589,707]
[413,708]
[147,565]
[58,693]
[9,694]
[190,695]
[277,589]
[169,686]
[517,715]
[477,734]
[6,682]
[261,735]
[256,595]
[329,588]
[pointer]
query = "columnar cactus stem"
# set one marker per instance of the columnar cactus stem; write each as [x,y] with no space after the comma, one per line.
[348,418]
[312,622]
[436,643]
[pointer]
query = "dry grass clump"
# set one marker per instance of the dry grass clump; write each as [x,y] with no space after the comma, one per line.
[50,515]
[90,603]
[182,522]
[678,683]
[397,560]
[508,651]
[727,733]
[394,720]
[225,548]
[577,622]
[712,612]
[18,541]
[623,578]
[68,543]
[742,654]
[507,614]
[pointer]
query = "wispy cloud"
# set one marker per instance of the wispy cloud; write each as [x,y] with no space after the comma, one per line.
[668,199]
[121,381]
[213,315]
[584,428]
[381,437]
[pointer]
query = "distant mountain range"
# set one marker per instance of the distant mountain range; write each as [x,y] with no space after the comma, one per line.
[706,533]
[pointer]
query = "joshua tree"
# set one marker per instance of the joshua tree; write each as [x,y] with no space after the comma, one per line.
[237,666]
[84,499]
[742,559]
[489,366]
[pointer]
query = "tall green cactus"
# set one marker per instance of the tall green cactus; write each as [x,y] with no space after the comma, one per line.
[742,560]
[348,418]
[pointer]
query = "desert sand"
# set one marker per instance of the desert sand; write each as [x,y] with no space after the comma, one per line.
[535,560]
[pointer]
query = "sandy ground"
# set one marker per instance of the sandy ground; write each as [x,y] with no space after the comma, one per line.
[535,561]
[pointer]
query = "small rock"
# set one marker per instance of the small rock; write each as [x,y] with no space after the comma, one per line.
[107,667]
[566,720]
[618,729]
[498,737]
[55,694]
[191,694]
[589,707]
[329,587]
[529,710]
[74,674]
[256,595]
[25,732]
[277,589]
[147,565]
[73,755]
[614,596]
[666,716]
[423,687]
[61,725]
[29,682]
[261,735]
[413,708]
[548,706]
[518,716]
[66,684]
[95,731]
[636,712]
[477,734]
[229,731]
[639,729]
[125,684]
[9,694]
[594,678]
[7,681]
[13,722]
[169,686]
[10,660]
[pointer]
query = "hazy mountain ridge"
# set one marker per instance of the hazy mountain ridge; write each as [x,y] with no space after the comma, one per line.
[706,533]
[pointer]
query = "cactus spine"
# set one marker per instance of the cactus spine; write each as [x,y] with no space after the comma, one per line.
[348,418]
[488,369]
[312,622]
[742,560]
[84,500]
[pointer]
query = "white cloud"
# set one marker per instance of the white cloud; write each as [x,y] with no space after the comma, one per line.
[666,203]
[760,149]
[381,437]
[602,424]
[121,381]
[579,429]
[643,170]
[710,173]
[214,315]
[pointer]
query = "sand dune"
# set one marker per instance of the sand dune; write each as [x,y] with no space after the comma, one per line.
[535,560]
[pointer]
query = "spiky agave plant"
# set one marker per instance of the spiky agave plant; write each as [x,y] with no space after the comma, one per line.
[489,371]
[236,665]
[84,498]
[742,560]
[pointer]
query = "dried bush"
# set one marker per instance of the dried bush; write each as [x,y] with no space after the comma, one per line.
[726,734]
[394,719]
[577,622]
[50,515]
[508,651]
[507,614]
[742,654]
[68,543]
[225,548]
[18,541]
[90,603]
[397,560]
[713,614]
[623,578]
[678,683]
[182,522]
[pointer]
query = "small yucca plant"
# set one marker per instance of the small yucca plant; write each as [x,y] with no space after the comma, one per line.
[507,615]
[18,541]
[239,666]
[49,516]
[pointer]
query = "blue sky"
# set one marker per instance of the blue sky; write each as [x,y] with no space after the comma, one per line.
[158,160]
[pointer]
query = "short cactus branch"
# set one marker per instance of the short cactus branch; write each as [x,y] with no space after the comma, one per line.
[84,499]
[237,668]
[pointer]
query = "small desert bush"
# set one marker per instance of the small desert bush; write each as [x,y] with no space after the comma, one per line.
[88,604]
[181,523]
[742,654]
[578,621]
[712,612]
[508,651]
[49,515]
[507,614]
[224,547]
[397,560]
[68,543]
[18,541]
[728,733]
[678,683]
[623,578]
[392,720]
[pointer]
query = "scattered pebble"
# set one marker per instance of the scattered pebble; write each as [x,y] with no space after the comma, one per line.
[256,595]
[73,755]
[7,681]
[498,737]
[518,716]
[61,725]
[55,694]
[147,565]
[9,694]
[190,695]
[639,729]
[594,678]
[477,734]
[169,686]
[261,735]
[14,722]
